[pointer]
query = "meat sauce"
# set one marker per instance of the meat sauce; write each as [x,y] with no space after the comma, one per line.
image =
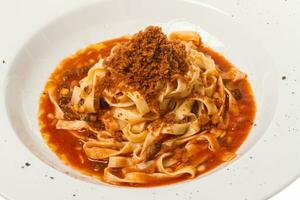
[69,148]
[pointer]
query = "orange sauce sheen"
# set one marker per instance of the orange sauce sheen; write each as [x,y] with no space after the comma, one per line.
[69,148]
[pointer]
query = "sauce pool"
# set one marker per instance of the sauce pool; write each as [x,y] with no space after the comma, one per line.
[69,148]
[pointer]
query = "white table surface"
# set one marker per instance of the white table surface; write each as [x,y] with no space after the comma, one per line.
[290,193]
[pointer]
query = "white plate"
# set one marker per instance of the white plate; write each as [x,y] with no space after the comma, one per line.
[256,36]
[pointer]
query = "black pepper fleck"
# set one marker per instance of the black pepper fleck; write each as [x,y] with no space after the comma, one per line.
[74,195]
[3,61]
[293,92]
[251,157]
[27,164]
[51,177]
[22,167]
[286,116]
[283,77]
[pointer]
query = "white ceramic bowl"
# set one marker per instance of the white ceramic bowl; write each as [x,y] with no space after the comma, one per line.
[239,30]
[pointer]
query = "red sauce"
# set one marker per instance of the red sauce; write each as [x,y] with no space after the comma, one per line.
[69,149]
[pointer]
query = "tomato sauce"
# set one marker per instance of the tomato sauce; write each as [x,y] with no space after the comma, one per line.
[69,148]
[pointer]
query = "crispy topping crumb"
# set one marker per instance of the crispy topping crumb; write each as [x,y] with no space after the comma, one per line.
[148,59]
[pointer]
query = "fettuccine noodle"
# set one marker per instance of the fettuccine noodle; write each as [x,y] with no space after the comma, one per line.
[140,139]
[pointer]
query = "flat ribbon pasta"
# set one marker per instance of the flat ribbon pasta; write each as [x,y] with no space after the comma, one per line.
[144,142]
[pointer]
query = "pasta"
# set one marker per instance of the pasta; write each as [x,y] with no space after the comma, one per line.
[153,109]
